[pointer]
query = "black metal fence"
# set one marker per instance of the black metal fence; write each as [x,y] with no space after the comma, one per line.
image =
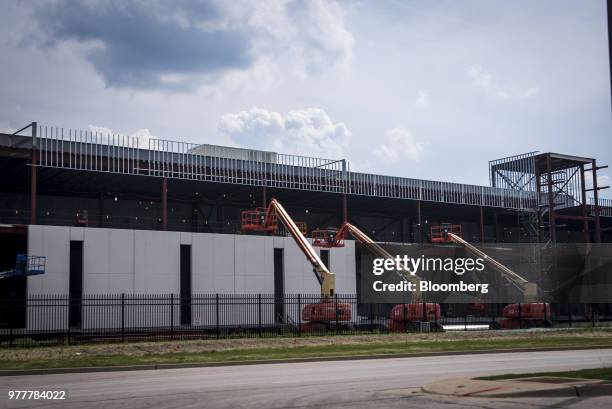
[60,319]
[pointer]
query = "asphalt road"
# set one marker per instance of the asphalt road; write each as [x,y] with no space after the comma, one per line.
[379,383]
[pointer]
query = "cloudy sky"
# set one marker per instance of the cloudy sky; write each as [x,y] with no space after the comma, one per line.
[425,89]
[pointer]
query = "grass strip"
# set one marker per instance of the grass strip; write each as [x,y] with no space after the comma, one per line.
[81,356]
[593,373]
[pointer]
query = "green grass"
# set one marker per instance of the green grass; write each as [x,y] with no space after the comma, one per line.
[89,356]
[593,373]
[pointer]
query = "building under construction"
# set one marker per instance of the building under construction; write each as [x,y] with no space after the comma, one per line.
[117,214]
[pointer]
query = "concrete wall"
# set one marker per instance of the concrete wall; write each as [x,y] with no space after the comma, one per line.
[147,262]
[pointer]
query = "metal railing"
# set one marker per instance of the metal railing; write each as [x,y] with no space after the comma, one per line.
[605,206]
[93,151]
[61,319]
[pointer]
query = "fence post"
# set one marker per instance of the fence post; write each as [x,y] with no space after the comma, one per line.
[405,322]
[336,307]
[592,316]
[171,315]
[259,314]
[372,317]
[425,318]
[122,317]
[68,320]
[492,308]
[569,314]
[11,318]
[217,314]
[299,320]
[520,316]
[465,315]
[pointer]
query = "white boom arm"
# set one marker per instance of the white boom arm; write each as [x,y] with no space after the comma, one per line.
[326,278]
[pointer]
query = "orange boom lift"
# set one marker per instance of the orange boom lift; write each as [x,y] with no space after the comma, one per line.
[402,315]
[318,316]
[527,314]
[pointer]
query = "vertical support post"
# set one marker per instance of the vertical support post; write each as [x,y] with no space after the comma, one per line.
[538,186]
[404,321]
[100,209]
[425,318]
[68,316]
[259,314]
[372,316]
[164,203]
[592,316]
[482,238]
[11,318]
[217,314]
[171,315]
[344,208]
[264,202]
[419,221]
[336,308]
[299,320]
[496,226]
[596,204]
[569,314]
[122,317]
[585,225]
[551,201]
[33,179]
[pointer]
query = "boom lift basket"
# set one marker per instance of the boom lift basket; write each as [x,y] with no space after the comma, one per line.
[439,234]
[258,220]
[26,266]
[327,237]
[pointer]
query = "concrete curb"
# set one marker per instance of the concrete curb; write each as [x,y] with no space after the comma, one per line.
[520,388]
[22,372]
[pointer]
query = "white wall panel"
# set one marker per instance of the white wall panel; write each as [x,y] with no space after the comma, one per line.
[52,242]
[254,265]
[142,261]
[156,262]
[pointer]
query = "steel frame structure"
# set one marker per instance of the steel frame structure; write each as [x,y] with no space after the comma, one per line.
[559,181]
[513,179]
[92,151]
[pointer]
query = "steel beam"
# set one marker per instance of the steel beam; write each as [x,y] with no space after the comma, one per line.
[34,175]
[596,204]
[551,201]
[164,194]
[584,209]
[482,237]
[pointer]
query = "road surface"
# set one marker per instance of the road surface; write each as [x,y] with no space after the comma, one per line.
[376,383]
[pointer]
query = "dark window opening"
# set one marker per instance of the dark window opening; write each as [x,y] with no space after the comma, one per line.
[185,284]
[279,286]
[75,283]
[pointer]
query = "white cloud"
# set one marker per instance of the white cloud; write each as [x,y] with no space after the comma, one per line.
[399,143]
[309,37]
[483,79]
[103,134]
[480,77]
[308,132]
[531,92]
[423,99]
